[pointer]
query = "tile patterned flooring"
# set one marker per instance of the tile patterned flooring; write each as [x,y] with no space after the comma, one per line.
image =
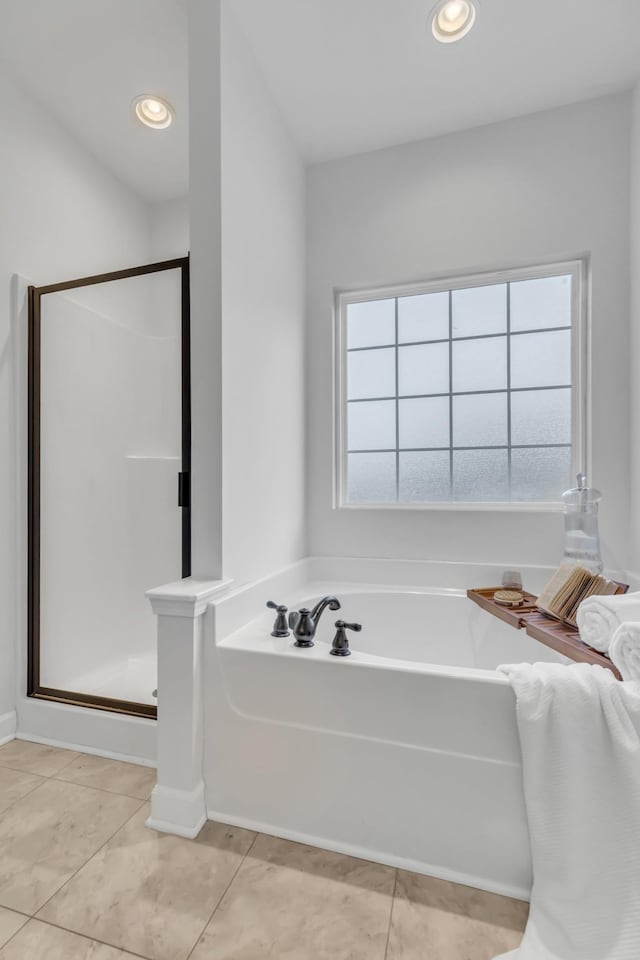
[82,878]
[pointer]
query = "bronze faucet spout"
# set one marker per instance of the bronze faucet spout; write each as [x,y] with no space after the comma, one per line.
[304,623]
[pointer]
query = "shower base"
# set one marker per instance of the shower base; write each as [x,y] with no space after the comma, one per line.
[134,679]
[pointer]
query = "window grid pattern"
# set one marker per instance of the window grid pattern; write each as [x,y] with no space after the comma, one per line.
[509,391]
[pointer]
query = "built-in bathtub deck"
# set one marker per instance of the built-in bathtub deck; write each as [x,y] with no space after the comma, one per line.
[561,637]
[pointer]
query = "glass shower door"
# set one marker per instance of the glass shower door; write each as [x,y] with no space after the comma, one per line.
[109,444]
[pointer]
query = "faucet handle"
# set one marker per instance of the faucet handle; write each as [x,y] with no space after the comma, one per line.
[340,646]
[280,628]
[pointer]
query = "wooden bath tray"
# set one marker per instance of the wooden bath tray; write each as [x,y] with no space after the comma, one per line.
[559,636]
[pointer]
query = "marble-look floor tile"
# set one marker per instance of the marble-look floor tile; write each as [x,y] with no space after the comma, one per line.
[148,892]
[49,834]
[112,775]
[293,901]
[40,941]
[10,923]
[447,921]
[14,784]
[35,757]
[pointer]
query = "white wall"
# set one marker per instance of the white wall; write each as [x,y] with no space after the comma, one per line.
[206,306]
[263,267]
[170,229]
[634,346]
[63,216]
[548,186]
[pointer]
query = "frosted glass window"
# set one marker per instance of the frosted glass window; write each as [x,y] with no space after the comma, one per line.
[480,475]
[480,421]
[480,365]
[372,425]
[424,476]
[541,359]
[424,422]
[541,473]
[371,324]
[424,317]
[536,304]
[479,310]
[423,369]
[541,417]
[371,478]
[464,394]
[371,373]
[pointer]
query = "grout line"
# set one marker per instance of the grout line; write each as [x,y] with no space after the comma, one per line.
[89,786]
[68,764]
[18,799]
[45,776]
[28,773]
[222,896]
[21,913]
[84,936]
[27,919]
[89,859]
[56,776]
[393,900]
[112,793]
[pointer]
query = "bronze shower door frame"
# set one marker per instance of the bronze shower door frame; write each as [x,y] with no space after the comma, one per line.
[34,687]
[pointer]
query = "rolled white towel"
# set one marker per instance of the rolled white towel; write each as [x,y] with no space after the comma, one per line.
[625,650]
[599,617]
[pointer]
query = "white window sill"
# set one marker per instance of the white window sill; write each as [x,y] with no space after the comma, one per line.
[462,506]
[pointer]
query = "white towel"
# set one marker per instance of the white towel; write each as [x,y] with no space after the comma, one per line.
[625,650]
[599,618]
[580,736]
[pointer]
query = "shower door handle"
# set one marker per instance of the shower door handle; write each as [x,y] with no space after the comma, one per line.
[184,490]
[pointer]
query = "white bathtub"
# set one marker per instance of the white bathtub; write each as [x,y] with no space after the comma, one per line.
[406,752]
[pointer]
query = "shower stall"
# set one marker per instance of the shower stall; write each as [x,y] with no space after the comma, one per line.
[109,462]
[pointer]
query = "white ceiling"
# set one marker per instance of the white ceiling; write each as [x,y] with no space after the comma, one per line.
[348,75]
[356,75]
[85,61]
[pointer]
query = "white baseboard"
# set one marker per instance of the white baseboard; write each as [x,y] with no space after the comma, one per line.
[83,748]
[182,812]
[363,853]
[7,727]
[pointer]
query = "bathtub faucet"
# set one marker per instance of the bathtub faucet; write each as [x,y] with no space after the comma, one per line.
[304,622]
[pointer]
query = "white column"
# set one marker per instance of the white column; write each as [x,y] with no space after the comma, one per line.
[178,800]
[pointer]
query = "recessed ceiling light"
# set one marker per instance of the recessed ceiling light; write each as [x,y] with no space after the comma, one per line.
[153,112]
[451,20]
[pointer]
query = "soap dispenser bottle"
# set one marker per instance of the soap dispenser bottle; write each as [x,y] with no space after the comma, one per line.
[581,537]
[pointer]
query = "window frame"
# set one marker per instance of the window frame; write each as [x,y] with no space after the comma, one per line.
[578,268]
